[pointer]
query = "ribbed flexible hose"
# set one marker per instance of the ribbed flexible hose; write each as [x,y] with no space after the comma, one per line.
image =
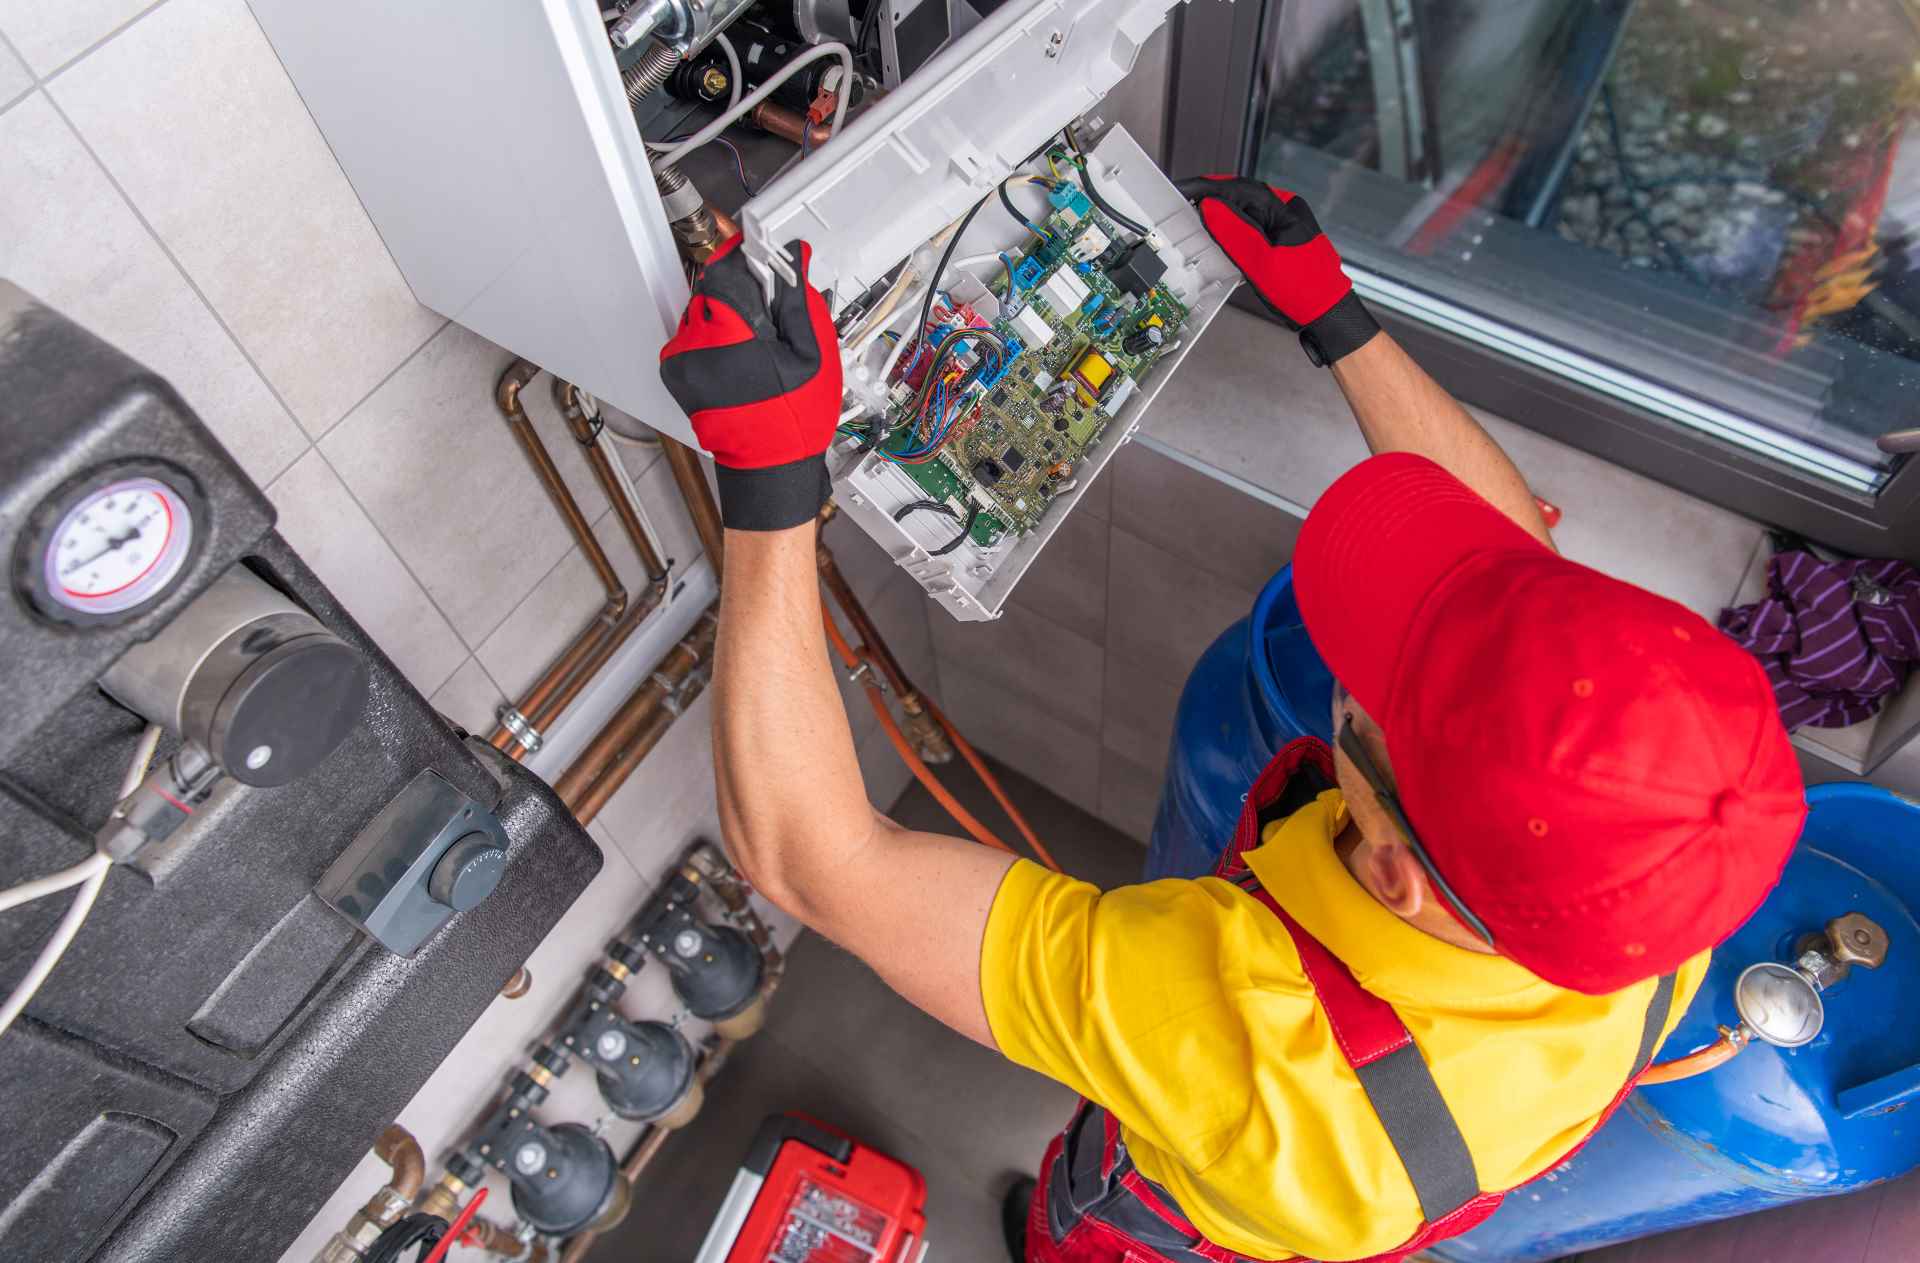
[648,75]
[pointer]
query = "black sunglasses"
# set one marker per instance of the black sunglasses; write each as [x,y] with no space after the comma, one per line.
[1356,749]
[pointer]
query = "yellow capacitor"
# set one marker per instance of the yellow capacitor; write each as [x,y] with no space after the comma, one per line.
[1091,372]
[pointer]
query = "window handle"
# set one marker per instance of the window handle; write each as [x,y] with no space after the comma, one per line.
[1900,442]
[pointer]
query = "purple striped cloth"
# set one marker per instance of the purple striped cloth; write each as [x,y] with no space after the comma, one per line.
[1837,637]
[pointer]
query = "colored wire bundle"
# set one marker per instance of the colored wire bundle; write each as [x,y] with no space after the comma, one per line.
[1014,211]
[1093,194]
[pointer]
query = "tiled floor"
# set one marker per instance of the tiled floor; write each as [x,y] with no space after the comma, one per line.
[1878,1225]
[843,1047]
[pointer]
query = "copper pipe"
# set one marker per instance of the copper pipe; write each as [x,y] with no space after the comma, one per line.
[566,396]
[635,728]
[535,705]
[398,1149]
[920,726]
[494,1239]
[688,475]
[727,225]
[518,985]
[789,125]
[629,758]
[443,1199]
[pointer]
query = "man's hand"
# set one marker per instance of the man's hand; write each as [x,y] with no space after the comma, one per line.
[1273,239]
[762,386]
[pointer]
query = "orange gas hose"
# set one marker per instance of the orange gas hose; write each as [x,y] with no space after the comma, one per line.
[993,783]
[1714,1055]
[920,770]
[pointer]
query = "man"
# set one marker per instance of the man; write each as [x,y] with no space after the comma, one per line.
[1434,958]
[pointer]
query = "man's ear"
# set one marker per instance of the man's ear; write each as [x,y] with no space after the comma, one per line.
[1397,879]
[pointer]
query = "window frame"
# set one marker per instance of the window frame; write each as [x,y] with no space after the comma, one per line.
[1214,93]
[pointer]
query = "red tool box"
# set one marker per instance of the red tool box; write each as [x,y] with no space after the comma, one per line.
[811,1194]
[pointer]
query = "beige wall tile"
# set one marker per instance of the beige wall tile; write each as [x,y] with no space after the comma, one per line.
[1200,519]
[1162,612]
[449,486]
[68,237]
[332,534]
[1049,668]
[49,33]
[1025,734]
[469,698]
[1129,796]
[1141,704]
[15,79]
[1067,584]
[192,114]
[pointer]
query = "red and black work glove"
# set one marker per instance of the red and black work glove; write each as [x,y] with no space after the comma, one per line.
[1272,237]
[761,383]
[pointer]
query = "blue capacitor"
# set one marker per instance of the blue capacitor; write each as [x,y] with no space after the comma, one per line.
[1771,1126]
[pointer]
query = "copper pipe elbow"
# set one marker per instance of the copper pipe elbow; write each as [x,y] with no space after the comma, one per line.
[398,1149]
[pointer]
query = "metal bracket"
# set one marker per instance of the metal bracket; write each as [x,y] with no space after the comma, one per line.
[529,737]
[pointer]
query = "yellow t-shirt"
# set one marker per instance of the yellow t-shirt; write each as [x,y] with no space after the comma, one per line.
[1182,1007]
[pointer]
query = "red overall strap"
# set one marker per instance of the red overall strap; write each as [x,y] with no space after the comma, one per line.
[1377,1045]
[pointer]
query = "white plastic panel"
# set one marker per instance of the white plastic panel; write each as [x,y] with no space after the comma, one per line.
[493,146]
[494,149]
[973,583]
[917,160]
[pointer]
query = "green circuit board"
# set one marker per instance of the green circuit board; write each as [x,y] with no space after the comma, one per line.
[1021,440]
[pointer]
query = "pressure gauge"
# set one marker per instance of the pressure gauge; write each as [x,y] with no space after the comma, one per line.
[109,545]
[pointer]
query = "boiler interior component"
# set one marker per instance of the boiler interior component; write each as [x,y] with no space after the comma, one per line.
[686,26]
[911,32]
[430,853]
[763,52]
[565,1179]
[249,676]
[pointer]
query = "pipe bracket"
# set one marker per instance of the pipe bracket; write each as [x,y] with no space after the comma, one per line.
[529,737]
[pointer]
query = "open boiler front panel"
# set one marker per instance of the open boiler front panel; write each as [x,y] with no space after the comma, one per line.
[515,165]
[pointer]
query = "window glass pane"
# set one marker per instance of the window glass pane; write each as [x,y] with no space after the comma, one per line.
[1707,207]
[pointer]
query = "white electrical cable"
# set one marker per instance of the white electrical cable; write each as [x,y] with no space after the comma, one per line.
[142,756]
[56,947]
[733,66]
[54,883]
[51,884]
[766,90]
[90,874]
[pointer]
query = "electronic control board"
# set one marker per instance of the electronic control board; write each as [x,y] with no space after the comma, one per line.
[1082,320]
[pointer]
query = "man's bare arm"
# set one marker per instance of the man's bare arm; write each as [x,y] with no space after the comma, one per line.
[1401,409]
[793,808]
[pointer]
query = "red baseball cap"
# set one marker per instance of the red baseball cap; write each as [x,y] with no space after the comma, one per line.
[1599,775]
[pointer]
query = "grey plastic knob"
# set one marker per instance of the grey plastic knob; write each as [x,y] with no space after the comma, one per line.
[467,873]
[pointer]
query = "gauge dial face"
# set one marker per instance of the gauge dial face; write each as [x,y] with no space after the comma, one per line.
[119,547]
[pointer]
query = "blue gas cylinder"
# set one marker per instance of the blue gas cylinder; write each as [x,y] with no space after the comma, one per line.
[1771,1126]
[1257,687]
